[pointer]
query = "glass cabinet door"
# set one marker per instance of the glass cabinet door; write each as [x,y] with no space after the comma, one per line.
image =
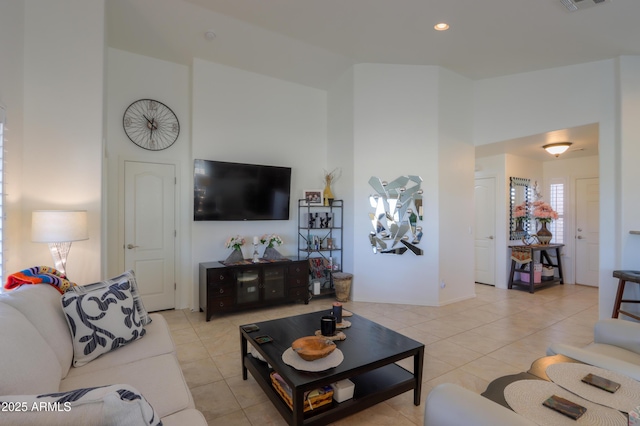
[274,283]
[248,286]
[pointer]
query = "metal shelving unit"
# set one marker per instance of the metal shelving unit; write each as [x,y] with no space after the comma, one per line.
[320,240]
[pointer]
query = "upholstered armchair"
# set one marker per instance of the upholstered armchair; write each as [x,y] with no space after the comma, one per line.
[616,347]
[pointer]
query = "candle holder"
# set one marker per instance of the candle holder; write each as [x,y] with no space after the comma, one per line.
[256,256]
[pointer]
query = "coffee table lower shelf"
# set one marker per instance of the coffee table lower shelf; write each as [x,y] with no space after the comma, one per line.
[371,388]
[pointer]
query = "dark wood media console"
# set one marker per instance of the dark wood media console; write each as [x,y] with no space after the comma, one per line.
[228,288]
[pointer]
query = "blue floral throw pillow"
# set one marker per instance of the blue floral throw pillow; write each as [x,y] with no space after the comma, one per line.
[101,320]
[125,276]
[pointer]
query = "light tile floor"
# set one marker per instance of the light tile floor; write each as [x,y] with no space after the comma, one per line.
[471,343]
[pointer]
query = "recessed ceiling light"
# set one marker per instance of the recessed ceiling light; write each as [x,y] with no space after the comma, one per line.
[209,35]
[442,26]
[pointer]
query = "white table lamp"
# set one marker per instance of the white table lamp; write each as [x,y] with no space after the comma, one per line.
[59,228]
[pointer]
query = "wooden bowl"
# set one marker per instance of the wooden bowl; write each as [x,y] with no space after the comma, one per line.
[311,348]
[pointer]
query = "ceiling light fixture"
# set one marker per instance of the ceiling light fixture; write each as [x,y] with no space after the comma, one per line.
[557,148]
[442,26]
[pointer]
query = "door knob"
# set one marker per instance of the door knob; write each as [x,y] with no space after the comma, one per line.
[490,237]
[131,246]
[579,237]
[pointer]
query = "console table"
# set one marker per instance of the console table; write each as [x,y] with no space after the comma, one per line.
[243,285]
[544,258]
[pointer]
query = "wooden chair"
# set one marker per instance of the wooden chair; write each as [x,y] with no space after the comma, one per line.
[624,277]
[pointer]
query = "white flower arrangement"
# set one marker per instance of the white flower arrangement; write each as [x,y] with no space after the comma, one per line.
[271,240]
[234,242]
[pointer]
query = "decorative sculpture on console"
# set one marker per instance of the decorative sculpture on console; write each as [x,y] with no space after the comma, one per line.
[398,207]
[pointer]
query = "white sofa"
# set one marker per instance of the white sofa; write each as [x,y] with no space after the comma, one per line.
[451,405]
[36,355]
[616,347]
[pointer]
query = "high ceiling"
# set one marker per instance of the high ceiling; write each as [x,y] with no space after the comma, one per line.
[312,42]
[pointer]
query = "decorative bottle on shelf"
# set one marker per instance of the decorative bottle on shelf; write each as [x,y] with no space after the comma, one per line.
[328,195]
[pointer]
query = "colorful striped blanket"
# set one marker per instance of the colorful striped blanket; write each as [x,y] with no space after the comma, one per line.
[39,275]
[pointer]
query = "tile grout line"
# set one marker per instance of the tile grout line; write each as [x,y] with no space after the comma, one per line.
[194,321]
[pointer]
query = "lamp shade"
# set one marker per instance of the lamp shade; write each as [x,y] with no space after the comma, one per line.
[57,226]
[557,148]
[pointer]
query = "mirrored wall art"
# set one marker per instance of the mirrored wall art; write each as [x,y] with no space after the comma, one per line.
[520,193]
[397,210]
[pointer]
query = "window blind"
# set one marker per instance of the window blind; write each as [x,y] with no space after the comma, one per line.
[556,195]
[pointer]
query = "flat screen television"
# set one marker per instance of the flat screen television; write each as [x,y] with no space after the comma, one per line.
[236,191]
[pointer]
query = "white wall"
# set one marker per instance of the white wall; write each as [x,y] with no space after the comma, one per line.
[629,173]
[396,134]
[63,106]
[531,103]
[630,152]
[57,92]
[340,154]
[245,117]
[237,116]
[455,187]
[521,167]
[11,97]
[129,79]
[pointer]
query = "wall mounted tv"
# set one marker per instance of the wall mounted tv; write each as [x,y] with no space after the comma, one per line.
[236,191]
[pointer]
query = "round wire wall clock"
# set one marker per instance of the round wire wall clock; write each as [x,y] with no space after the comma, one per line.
[151,124]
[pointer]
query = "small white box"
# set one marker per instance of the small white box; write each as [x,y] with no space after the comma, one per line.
[316,287]
[343,390]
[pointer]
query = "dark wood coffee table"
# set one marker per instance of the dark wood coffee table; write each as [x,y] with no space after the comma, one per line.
[370,352]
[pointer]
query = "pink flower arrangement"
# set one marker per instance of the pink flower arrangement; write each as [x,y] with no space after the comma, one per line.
[520,210]
[543,212]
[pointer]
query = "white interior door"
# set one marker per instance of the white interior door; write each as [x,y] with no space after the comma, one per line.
[587,231]
[485,230]
[149,231]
